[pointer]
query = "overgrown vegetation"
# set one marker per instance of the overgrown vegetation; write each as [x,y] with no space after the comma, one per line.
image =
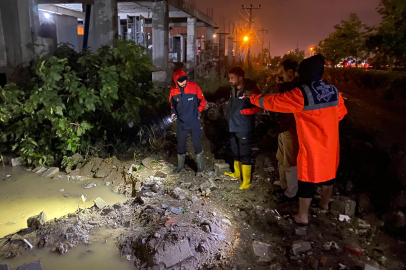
[68,101]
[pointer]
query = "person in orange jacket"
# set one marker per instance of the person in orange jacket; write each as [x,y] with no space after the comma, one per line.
[318,107]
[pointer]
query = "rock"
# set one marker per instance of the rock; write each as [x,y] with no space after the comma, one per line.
[226,221]
[301,231]
[155,188]
[194,199]
[344,206]
[300,246]
[37,221]
[4,267]
[206,193]
[99,203]
[364,204]
[205,186]
[30,266]
[160,174]
[15,161]
[90,185]
[206,228]
[221,168]
[176,254]
[61,248]
[50,172]
[261,251]
[213,111]
[369,265]
[39,169]
[178,193]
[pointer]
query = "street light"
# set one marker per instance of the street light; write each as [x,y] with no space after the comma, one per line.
[214,35]
[245,38]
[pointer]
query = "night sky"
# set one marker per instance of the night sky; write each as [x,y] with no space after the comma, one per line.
[292,21]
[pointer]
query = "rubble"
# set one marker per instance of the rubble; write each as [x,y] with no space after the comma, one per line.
[175,254]
[50,172]
[99,203]
[37,221]
[262,252]
[221,168]
[300,246]
[15,161]
[364,204]
[31,266]
[301,231]
[344,206]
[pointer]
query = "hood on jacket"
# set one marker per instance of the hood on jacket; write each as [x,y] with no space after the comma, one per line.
[177,74]
[311,69]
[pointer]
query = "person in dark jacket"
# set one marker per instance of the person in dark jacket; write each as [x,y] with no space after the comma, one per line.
[288,143]
[187,102]
[241,118]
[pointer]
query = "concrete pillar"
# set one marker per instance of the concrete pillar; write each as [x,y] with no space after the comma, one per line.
[160,36]
[208,46]
[103,24]
[143,33]
[3,57]
[237,58]
[222,47]
[17,31]
[230,50]
[191,40]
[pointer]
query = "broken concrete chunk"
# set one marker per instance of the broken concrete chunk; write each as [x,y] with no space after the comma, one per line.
[31,266]
[226,221]
[5,267]
[176,254]
[300,246]
[50,172]
[155,188]
[221,168]
[15,161]
[301,231]
[261,251]
[178,193]
[99,203]
[344,206]
[37,221]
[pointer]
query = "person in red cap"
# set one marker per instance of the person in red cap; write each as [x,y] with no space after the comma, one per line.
[187,102]
[318,107]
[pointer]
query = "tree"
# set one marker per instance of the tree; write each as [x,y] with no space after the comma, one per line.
[276,60]
[388,40]
[347,41]
[297,54]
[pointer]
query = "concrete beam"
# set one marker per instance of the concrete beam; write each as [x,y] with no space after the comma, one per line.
[182,24]
[160,36]
[17,33]
[3,56]
[61,10]
[66,2]
[208,45]
[237,53]
[191,10]
[191,40]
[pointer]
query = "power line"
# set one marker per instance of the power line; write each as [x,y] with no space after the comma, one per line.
[251,8]
[262,43]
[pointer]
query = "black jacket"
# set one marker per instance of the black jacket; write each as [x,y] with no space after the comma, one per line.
[241,113]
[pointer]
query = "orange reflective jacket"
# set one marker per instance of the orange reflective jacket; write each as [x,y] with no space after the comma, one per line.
[317,110]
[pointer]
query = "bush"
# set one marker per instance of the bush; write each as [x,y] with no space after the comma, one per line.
[70,100]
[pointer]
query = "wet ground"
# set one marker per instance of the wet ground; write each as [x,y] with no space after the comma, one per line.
[24,194]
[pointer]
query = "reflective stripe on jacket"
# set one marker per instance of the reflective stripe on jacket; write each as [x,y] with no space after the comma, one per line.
[317,108]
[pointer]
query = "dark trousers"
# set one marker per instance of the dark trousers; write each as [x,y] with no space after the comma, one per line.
[181,135]
[241,145]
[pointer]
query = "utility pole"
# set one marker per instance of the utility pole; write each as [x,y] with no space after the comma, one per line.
[262,43]
[250,25]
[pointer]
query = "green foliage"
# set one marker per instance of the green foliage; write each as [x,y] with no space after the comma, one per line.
[276,60]
[71,99]
[213,82]
[388,40]
[347,41]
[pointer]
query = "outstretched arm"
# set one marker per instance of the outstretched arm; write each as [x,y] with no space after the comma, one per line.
[288,102]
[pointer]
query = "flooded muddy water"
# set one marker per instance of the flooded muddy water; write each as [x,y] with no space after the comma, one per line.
[101,255]
[24,194]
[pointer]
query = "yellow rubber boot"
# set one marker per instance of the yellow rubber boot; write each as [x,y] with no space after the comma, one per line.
[237,170]
[246,176]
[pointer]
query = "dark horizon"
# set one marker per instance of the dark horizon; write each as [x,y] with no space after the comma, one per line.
[292,22]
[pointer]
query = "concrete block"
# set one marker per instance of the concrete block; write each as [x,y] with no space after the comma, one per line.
[344,206]
[31,266]
[5,267]
[99,203]
[50,172]
[176,254]
[300,246]
[16,161]
[159,77]
[221,168]
[261,252]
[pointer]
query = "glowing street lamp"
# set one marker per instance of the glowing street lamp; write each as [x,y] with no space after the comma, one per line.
[245,38]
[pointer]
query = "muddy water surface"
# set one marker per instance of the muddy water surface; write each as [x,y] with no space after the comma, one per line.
[101,255]
[24,194]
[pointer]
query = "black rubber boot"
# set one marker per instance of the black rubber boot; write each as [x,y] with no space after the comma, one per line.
[181,164]
[200,163]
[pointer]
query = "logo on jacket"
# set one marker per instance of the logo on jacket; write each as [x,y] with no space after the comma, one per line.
[324,91]
[189,99]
